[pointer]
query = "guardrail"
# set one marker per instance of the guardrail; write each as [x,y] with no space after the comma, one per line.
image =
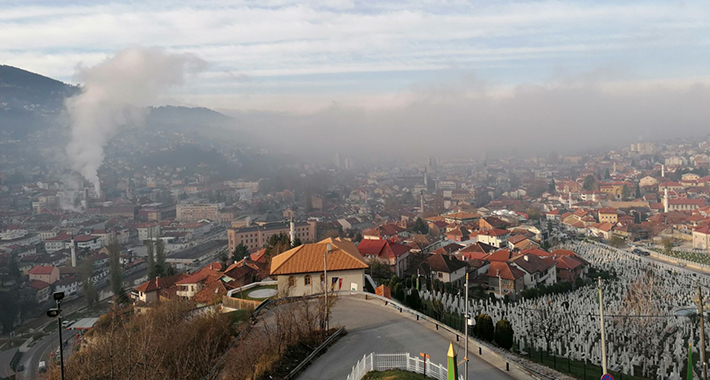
[313,354]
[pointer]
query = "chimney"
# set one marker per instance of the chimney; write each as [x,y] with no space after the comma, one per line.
[663,171]
[570,199]
[665,200]
[526,257]
[73,252]
[292,232]
[614,167]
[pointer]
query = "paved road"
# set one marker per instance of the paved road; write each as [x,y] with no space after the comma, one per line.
[41,351]
[373,328]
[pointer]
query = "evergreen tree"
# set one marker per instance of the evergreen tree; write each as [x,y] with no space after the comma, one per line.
[504,334]
[159,257]
[420,227]
[638,191]
[240,251]
[553,187]
[277,244]
[398,292]
[484,327]
[223,257]
[589,183]
[150,259]
[413,300]
[115,270]
[86,270]
[296,242]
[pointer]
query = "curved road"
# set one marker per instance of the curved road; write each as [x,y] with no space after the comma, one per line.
[374,328]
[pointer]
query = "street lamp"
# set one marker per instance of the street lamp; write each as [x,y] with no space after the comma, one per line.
[469,322]
[328,251]
[56,312]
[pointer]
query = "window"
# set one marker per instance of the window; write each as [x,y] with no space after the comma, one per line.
[291,281]
[441,275]
[307,280]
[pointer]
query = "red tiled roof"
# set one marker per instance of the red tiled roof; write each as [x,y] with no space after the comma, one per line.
[505,271]
[160,283]
[42,269]
[500,255]
[382,248]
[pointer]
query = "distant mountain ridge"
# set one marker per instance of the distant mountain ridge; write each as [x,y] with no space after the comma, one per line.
[30,102]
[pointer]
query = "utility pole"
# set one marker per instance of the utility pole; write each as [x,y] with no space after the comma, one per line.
[465,358]
[702,332]
[601,314]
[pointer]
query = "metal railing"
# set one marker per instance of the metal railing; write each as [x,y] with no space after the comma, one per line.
[404,361]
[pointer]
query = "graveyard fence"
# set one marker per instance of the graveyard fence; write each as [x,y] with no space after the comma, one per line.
[404,361]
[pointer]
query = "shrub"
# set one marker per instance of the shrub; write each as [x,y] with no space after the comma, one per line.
[484,327]
[504,334]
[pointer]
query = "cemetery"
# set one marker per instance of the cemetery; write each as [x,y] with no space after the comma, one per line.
[649,311]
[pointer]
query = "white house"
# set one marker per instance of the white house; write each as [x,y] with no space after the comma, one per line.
[299,271]
[69,285]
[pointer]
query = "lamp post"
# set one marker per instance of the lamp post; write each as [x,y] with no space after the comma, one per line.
[57,312]
[328,251]
[468,321]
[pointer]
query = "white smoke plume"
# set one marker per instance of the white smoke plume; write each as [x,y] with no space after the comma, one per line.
[111,91]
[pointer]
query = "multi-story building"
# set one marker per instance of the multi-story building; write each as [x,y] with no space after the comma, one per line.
[256,236]
[148,231]
[186,212]
[608,214]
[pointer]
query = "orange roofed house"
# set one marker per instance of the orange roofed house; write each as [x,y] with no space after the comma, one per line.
[299,271]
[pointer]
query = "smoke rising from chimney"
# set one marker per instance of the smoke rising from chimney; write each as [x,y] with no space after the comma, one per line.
[111,93]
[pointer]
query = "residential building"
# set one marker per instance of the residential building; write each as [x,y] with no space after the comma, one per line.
[299,271]
[446,268]
[395,255]
[505,279]
[148,231]
[495,237]
[68,285]
[186,212]
[608,214]
[538,271]
[46,273]
[42,288]
[150,291]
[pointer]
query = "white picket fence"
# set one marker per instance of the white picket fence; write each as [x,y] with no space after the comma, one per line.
[406,362]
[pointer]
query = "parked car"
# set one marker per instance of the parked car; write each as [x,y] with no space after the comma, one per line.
[20,368]
[42,367]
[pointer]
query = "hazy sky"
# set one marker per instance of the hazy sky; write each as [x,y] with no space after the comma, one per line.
[280,55]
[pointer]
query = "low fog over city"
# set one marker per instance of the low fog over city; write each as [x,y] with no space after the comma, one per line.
[354,190]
